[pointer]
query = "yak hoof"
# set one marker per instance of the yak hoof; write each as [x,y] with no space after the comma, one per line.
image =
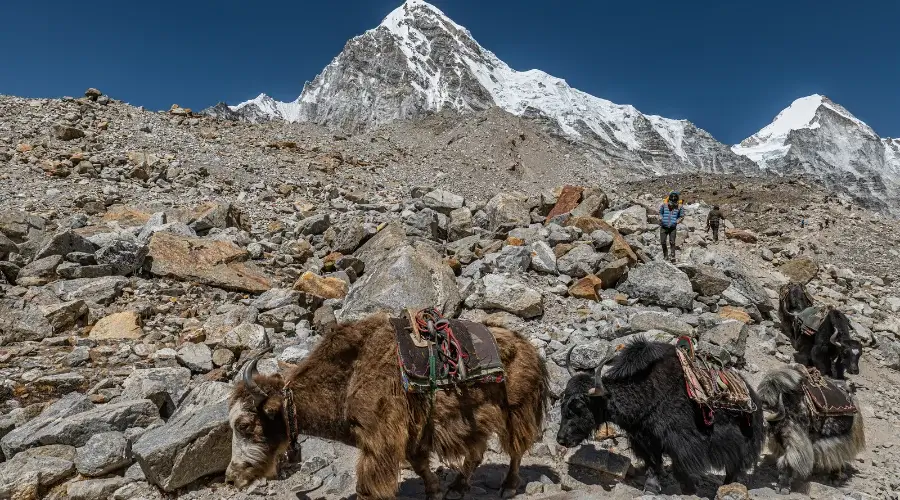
[506,493]
[652,487]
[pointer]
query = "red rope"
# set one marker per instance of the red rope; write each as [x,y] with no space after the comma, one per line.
[450,350]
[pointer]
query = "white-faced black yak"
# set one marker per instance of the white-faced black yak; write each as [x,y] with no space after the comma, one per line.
[643,392]
[827,344]
[803,438]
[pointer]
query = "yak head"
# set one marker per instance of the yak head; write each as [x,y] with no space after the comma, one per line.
[780,391]
[583,405]
[259,431]
[849,350]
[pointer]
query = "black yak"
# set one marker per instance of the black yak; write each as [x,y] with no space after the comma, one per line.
[801,440]
[827,346]
[643,392]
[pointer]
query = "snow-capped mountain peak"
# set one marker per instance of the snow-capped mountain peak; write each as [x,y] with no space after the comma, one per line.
[818,137]
[418,61]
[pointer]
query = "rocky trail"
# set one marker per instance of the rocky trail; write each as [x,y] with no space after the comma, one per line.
[144,256]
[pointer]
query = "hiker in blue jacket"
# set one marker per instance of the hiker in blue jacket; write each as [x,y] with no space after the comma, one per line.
[671,214]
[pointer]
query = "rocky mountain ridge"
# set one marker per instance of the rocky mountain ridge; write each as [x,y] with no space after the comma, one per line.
[419,61]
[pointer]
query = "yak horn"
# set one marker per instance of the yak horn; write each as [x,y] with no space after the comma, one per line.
[834,337]
[598,389]
[258,394]
[779,415]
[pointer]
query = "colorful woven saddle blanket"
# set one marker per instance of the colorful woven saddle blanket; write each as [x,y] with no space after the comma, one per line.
[451,353]
[810,319]
[825,398]
[710,384]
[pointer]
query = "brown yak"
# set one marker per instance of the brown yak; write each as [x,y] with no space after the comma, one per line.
[349,390]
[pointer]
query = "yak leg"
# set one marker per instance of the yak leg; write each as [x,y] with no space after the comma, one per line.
[654,464]
[511,483]
[819,357]
[421,464]
[688,487]
[463,482]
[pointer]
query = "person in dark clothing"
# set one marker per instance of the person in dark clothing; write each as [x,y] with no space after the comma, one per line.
[670,215]
[713,220]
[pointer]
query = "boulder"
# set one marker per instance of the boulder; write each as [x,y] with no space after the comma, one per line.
[664,322]
[119,326]
[586,288]
[93,489]
[511,296]
[7,246]
[215,263]
[163,386]
[543,260]
[746,291]
[195,357]
[186,448]
[506,211]
[593,205]
[314,225]
[631,220]
[315,286]
[66,132]
[706,280]
[800,270]
[18,225]
[244,336]
[741,234]
[584,356]
[73,420]
[460,224]
[443,201]
[735,313]
[659,283]
[104,453]
[65,243]
[217,215]
[39,272]
[349,237]
[578,262]
[566,201]
[22,321]
[100,291]
[28,474]
[730,335]
[125,257]
[63,315]
[619,249]
[602,240]
[405,277]
[513,259]
[380,246]
[275,298]
[613,272]
[202,396]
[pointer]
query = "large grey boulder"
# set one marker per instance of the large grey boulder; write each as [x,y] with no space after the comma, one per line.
[443,201]
[65,243]
[186,448]
[510,295]
[512,259]
[665,322]
[407,276]
[196,357]
[23,320]
[73,420]
[731,335]
[506,211]
[39,272]
[101,291]
[163,386]
[244,336]
[275,298]
[103,453]
[706,280]
[631,220]
[659,283]
[579,261]
[36,470]
[543,260]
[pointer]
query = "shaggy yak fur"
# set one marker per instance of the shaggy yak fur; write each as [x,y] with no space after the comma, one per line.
[831,350]
[349,390]
[799,448]
[643,392]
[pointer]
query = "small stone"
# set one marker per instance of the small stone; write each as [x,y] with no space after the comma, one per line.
[104,453]
[586,288]
[222,357]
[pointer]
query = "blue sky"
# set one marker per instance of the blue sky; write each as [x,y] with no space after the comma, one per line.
[728,66]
